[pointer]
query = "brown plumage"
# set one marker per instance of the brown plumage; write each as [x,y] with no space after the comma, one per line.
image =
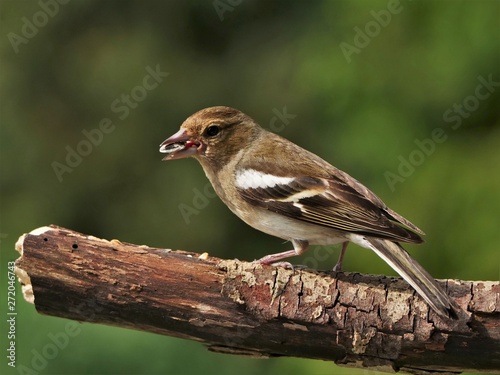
[286,191]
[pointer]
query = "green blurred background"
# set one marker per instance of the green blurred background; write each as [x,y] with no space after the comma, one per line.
[360,102]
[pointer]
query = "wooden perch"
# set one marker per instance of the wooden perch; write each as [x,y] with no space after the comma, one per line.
[237,307]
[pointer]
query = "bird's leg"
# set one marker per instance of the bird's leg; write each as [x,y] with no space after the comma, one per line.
[338,265]
[299,248]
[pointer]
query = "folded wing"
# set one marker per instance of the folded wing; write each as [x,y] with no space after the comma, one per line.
[330,202]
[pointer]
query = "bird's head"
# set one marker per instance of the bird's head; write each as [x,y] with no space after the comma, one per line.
[211,135]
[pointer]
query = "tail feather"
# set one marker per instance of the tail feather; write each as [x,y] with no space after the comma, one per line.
[412,272]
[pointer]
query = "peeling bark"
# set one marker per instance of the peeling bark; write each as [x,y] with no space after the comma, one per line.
[234,307]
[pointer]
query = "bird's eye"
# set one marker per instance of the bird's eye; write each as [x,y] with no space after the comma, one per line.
[212,131]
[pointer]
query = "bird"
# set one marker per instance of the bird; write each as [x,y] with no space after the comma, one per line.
[283,190]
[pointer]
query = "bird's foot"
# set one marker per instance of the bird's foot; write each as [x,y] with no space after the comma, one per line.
[338,265]
[286,265]
[337,268]
[274,264]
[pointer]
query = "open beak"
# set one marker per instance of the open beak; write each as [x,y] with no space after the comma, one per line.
[179,146]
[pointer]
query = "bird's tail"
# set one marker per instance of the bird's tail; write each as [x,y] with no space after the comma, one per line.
[415,275]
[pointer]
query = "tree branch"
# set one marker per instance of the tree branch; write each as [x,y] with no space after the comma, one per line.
[244,308]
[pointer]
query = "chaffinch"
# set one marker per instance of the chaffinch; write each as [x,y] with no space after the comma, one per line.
[284,190]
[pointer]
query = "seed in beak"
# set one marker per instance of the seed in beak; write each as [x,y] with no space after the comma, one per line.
[172,147]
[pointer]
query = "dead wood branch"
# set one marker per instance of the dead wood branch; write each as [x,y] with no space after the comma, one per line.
[237,307]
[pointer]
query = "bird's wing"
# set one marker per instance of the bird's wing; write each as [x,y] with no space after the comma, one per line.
[327,201]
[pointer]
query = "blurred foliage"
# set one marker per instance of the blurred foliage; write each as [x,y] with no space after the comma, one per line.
[363,113]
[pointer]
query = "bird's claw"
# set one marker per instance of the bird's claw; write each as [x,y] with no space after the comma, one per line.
[286,265]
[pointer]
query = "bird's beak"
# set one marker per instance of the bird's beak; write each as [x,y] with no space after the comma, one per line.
[179,146]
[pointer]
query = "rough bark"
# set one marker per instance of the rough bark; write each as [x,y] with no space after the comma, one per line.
[237,307]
